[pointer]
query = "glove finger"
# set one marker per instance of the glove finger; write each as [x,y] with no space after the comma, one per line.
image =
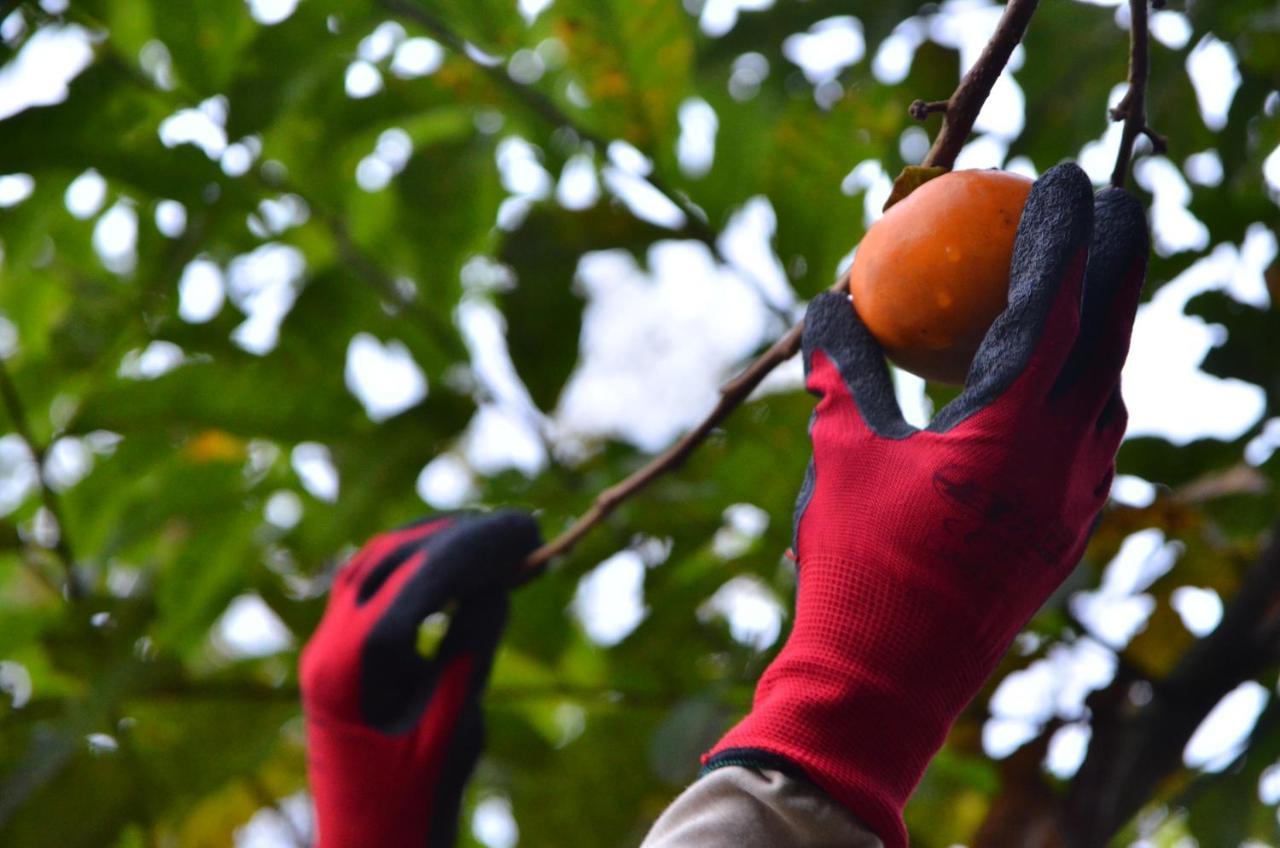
[398,682]
[1113,282]
[1031,339]
[476,553]
[845,367]
[387,552]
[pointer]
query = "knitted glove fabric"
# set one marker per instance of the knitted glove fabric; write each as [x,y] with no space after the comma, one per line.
[392,736]
[921,553]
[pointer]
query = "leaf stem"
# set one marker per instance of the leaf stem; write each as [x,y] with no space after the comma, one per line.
[1132,108]
[961,111]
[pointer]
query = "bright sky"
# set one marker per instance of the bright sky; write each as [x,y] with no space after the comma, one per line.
[693,323]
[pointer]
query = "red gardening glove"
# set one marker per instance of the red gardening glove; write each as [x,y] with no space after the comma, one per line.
[921,553]
[392,736]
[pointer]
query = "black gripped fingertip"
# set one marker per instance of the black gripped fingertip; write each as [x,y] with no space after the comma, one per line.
[1120,228]
[833,326]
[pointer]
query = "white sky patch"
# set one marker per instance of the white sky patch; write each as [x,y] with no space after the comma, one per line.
[272,827]
[43,69]
[744,523]
[1170,28]
[271,12]
[1262,446]
[642,199]
[362,80]
[313,464]
[1132,491]
[499,438]
[520,167]
[68,462]
[1173,227]
[916,407]
[1199,609]
[8,338]
[155,360]
[383,377]
[15,681]
[627,158]
[748,72]
[115,238]
[984,151]
[446,482]
[250,628]
[651,361]
[578,188]
[86,194]
[609,602]
[283,509]
[18,477]
[263,284]
[171,218]
[869,176]
[746,242]
[913,145]
[493,824]
[15,188]
[530,9]
[389,157]
[202,126]
[893,58]
[1222,735]
[752,610]
[1166,392]
[1067,749]
[696,147]
[417,57]
[201,291]
[718,17]
[1055,685]
[1118,610]
[1204,168]
[1215,76]
[967,26]
[830,46]
[1271,172]
[381,43]
[1097,158]
[526,67]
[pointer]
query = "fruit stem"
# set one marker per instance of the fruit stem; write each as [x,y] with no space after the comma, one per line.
[963,107]
[1132,108]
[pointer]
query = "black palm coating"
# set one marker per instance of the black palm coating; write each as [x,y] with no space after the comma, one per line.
[1120,241]
[472,563]
[1056,224]
[832,325]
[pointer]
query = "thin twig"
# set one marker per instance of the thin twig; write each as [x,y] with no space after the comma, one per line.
[48,497]
[1132,108]
[963,106]
[961,113]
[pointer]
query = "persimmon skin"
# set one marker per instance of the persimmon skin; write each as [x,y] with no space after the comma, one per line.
[931,276]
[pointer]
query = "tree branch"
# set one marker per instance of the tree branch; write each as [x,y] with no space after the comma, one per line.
[1135,747]
[1132,108]
[962,110]
[48,497]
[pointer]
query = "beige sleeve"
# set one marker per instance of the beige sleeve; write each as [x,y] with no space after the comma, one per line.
[736,807]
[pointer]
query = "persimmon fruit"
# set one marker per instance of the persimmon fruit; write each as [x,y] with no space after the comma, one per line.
[931,276]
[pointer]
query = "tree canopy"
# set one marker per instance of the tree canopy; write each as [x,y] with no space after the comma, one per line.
[277,275]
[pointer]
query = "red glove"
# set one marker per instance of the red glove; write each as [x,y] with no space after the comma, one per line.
[922,553]
[392,736]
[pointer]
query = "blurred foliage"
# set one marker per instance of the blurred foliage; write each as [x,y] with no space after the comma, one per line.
[143,729]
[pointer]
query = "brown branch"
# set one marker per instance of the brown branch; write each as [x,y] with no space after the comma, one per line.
[962,111]
[963,107]
[1132,108]
[48,497]
[1135,748]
